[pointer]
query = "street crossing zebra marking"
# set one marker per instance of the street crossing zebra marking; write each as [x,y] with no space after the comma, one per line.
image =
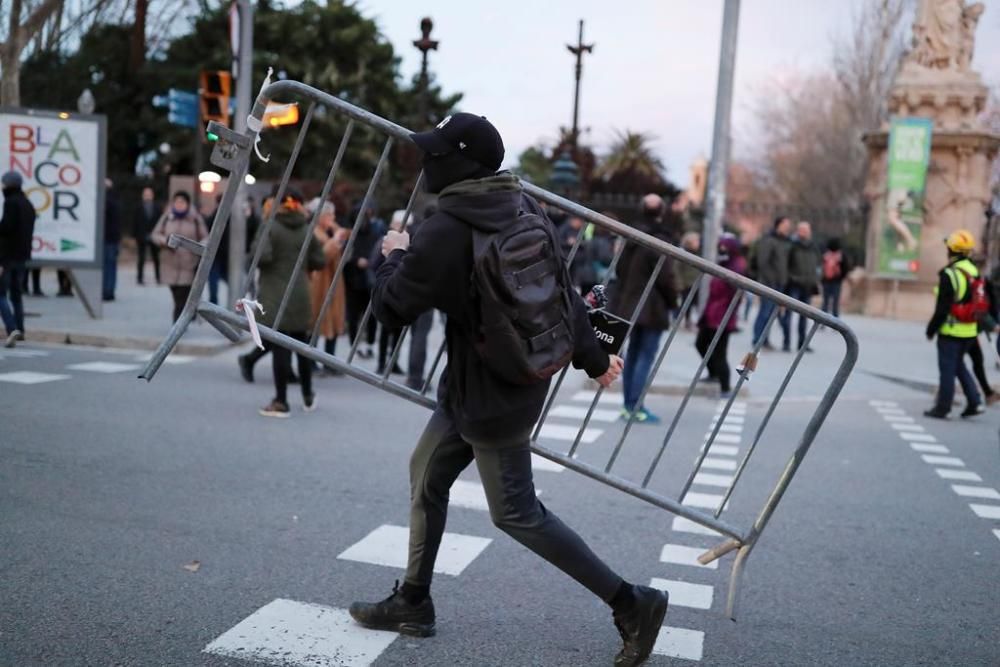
[103,367]
[996,531]
[31,377]
[299,634]
[681,643]
[986,511]
[387,546]
[685,594]
[883,404]
[710,479]
[943,460]
[718,464]
[963,475]
[730,419]
[578,412]
[911,436]
[562,432]
[976,491]
[723,450]
[898,419]
[22,354]
[683,525]
[173,359]
[471,495]
[709,501]
[724,437]
[607,398]
[542,463]
[682,555]
[928,449]
[886,412]
[907,427]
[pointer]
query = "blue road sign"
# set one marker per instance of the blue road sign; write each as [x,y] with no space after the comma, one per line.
[181,105]
[183,119]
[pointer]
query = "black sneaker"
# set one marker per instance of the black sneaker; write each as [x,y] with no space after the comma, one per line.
[246,368]
[396,614]
[973,410]
[640,627]
[935,413]
[275,409]
[309,402]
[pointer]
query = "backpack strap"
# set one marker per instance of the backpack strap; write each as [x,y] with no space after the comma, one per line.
[538,270]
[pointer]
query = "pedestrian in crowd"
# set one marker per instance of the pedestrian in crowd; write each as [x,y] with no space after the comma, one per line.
[720,295]
[482,416]
[986,324]
[220,263]
[770,267]
[143,223]
[747,250]
[572,230]
[17,229]
[688,276]
[954,333]
[179,264]
[635,268]
[421,328]
[836,266]
[112,240]
[388,337]
[803,274]
[332,238]
[358,279]
[277,262]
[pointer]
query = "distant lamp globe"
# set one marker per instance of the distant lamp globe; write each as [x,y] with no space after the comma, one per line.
[86,102]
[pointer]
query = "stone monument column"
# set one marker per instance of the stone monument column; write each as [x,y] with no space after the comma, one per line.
[935,81]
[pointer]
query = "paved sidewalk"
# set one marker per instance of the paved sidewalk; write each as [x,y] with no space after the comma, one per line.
[138,318]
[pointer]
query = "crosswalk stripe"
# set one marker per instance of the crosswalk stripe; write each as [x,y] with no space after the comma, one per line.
[976,491]
[709,479]
[986,511]
[685,594]
[682,555]
[709,501]
[943,460]
[724,437]
[683,525]
[31,377]
[928,449]
[471,495]
[718,464]
[298,634]
[607,398]
[387,545]
[103,367]
[917,437]
[542,463]
[722,450]
[963,475]
[681,643]
[562,432]
[578,412]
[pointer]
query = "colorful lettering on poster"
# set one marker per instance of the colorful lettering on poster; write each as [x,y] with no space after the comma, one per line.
[54,166]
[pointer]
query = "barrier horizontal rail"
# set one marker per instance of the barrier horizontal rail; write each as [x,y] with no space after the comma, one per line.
[234,152]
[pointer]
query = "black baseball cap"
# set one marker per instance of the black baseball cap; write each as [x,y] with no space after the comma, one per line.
[465,133]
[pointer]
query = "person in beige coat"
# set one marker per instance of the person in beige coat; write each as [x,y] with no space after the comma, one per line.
[177,266]
[333,237]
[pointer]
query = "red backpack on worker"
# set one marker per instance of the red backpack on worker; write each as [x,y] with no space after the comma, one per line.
[832,264]
[975,305]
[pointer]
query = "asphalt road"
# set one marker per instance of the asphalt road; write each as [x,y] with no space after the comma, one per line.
[110,486]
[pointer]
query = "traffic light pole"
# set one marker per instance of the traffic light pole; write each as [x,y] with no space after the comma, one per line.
[244,83]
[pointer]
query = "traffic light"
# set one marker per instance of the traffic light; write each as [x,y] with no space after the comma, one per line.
[215,89]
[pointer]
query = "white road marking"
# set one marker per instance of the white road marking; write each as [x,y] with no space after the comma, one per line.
[908,427]
[542,463]
[577,412]
[883,404]
[709,501]
[103,367]
[891,411]
[607,398]
[723,450]
[976,491]
[898,419]
[387,545]
[709,479]
[725,428]
[681,555]
[680,643]
[173,359]
[996,531]
[986,511]
[719,464]
[31,377]
[928,449]
[730,419]
[943,460]
[568,433]
[685,594]
[23,354]
[471,495]
[682,525]
[285,632]
[963,475]
[724,437]
[917,437]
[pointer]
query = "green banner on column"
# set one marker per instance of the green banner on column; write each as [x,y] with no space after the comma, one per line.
[903,215]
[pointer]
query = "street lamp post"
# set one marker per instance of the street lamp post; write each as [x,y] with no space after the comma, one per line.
[578,51]
[424,44]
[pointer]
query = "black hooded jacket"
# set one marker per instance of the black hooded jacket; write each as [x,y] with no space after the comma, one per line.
[17,226]
[436,272]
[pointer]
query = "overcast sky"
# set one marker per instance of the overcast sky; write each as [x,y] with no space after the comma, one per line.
[653,68]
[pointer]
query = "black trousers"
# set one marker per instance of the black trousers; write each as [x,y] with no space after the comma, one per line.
[387,340]
[357,303]
[505,470]
[718,364]
[419,331]
[180,294]
[975,352]
[281,366]
[154,252]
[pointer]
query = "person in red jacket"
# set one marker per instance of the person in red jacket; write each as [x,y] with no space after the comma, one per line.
[720,294]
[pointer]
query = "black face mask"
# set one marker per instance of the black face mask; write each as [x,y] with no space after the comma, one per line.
[440,171]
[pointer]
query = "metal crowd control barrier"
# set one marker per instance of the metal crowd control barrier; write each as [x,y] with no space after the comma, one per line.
[234,151]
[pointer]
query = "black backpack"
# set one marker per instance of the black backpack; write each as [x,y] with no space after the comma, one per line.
[524,308]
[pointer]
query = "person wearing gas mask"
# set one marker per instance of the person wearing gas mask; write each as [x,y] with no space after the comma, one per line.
[481,415]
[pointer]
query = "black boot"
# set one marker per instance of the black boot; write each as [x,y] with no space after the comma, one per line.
[396,614]
[246,367]
[640,626]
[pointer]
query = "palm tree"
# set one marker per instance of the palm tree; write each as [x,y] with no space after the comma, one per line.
[631,165]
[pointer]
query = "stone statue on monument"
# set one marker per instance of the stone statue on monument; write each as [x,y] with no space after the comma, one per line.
[944,34]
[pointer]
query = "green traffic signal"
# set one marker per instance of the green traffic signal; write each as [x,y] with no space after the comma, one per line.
[212,136]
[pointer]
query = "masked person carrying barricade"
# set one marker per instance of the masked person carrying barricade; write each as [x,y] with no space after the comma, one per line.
[498,372]
[961,302]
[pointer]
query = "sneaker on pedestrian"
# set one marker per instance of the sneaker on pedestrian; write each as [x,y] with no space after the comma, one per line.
[973,410]
[935,413]
[308,402]
[13,337]
[644,416]
[246,367]
[640,627]
[396,614]
[275,409]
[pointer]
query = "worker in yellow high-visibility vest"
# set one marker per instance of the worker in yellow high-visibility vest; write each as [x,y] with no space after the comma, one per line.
[954,336]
